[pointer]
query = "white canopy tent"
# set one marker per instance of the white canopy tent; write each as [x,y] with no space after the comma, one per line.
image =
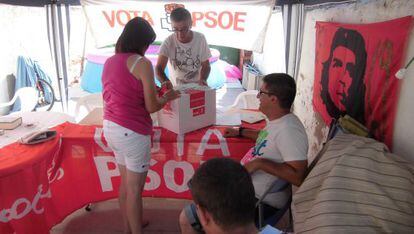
[243,24]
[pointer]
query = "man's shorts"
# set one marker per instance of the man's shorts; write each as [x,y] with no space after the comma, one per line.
[131,149]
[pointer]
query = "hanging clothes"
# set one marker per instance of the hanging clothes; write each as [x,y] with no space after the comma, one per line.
[27,75]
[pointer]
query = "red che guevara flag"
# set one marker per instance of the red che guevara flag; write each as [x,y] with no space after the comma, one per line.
[355,66]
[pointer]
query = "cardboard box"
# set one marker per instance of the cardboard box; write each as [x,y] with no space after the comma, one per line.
[195,109]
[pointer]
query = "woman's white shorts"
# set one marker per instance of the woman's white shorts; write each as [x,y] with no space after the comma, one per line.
[131,149]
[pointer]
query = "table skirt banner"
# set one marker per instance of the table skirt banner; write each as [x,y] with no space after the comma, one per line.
[80,168]
[25,193]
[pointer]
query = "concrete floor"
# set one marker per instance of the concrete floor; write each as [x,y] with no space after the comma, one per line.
[105,217]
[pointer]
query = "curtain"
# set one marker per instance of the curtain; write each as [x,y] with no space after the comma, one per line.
[293,22]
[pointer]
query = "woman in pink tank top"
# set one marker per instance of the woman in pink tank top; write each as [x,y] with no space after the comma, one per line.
[129,94]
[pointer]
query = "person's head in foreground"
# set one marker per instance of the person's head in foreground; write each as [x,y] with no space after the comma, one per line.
[276,94]
[223,192]
[136,37]
[181,24]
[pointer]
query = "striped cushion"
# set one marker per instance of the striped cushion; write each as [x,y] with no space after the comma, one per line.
[356,187]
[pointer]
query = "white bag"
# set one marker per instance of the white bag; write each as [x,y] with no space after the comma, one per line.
[38,137]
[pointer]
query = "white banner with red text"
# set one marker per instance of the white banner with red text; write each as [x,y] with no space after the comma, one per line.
[238,24]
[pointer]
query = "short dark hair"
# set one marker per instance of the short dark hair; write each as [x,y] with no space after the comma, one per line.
[136,35]
[224,188]
[283,86]
[180,14]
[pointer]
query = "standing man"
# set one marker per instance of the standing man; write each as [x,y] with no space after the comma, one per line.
[186,51]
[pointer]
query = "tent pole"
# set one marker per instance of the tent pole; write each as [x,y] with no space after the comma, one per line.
[55,39]
[59,52]
[63,58]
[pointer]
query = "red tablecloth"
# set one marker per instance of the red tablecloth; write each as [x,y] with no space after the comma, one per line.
[40,185]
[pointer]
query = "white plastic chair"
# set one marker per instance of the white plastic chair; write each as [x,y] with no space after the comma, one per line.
[28,99]
[247,103]
[90,102]
[247,100]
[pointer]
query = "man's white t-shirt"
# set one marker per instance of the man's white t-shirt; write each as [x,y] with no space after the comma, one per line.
[282,140]
[184,59]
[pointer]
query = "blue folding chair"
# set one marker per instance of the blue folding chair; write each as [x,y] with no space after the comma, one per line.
[278,185]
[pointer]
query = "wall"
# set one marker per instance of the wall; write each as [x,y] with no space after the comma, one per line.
[359,12]
[228,54]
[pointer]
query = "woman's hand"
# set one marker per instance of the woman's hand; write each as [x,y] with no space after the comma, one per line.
[166,85]
[170,95]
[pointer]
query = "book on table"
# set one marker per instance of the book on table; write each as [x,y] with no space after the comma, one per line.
[10,122]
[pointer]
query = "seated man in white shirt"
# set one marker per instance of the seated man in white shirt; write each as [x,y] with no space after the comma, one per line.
[281,147]
[186,52]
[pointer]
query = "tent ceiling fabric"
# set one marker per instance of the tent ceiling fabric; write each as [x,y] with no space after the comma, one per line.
[38,3]
[241,2]
[309,2]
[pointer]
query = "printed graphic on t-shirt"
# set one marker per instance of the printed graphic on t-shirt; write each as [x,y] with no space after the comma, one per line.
[247,157]
[261,142]
[186,62]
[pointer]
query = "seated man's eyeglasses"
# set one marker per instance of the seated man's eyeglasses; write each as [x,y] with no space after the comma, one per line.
[263,92]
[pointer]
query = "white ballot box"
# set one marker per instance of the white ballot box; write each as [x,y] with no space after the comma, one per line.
[195,109]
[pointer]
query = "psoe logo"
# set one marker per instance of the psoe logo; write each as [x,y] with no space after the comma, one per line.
[168,8]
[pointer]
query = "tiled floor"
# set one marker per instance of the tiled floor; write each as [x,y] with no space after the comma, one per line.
[105,218]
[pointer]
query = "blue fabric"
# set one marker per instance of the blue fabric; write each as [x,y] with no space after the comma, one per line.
[270,230]
[92,76]
[28,71]
[217,76]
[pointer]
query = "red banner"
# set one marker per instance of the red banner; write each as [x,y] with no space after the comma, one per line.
[58,177]
[355,66]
